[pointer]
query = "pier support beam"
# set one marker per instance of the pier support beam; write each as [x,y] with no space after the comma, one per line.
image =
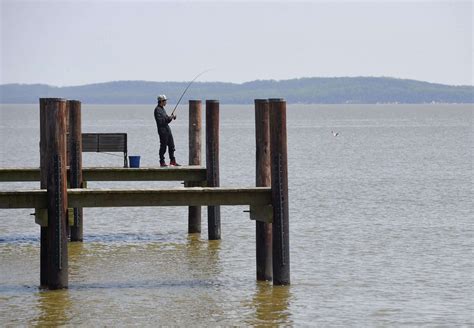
[212,163]
[54,260]
[263,179]
[75,163]
[195,127]
[279,176]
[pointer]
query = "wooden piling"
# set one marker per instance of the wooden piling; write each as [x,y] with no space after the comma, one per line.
[53,114]
[279,177]
[43,185]
[195,127]
[212,163]
[263,179]
[75,163]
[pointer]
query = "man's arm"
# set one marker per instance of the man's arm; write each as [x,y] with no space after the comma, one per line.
[161,118]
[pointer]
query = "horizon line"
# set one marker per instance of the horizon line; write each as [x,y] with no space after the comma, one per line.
[241,83]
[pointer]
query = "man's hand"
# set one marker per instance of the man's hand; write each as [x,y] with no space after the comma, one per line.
[173,116]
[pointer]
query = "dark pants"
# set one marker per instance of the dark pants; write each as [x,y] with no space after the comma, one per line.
[166,140]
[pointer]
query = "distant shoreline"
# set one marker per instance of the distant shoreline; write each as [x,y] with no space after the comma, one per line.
[337,90]
[185,104]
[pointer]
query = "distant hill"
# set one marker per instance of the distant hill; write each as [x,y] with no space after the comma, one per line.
[356,90]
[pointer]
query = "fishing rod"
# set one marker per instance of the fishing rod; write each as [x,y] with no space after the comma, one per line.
[207,70]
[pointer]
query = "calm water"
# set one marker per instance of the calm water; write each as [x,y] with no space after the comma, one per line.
[381,226]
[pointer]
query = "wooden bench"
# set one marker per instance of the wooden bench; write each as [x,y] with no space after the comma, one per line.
[106,142]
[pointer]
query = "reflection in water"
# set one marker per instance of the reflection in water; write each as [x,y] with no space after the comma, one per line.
[212,256]
[194,249]
[202,257]
[77,251]
[53,307]
[271,304]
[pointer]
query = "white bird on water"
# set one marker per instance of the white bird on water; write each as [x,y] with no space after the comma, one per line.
[335,134]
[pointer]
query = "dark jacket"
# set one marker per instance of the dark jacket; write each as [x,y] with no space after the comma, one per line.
[162,120]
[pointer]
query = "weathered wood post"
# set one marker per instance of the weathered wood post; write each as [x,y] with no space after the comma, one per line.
[263,179]
[75,163]
[54,273]
[279,172]
[195,127]
[212,163]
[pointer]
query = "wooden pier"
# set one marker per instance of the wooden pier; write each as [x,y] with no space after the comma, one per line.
[173,173]
[62,195]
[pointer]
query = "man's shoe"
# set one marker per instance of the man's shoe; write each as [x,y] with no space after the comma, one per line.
[163,164]
[173,163]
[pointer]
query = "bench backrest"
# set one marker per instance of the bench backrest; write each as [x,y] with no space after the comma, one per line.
[104,142]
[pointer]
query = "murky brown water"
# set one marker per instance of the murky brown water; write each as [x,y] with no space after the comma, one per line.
[180,282]
[380,222]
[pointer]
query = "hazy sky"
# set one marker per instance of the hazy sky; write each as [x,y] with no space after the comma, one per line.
[80,42]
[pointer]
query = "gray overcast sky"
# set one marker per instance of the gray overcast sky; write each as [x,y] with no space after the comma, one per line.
[80,42]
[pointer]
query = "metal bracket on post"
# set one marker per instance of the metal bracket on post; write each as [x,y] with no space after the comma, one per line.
[70,210]
[72,216]
[72,213]
[262,213]
[190,184]
[41,217]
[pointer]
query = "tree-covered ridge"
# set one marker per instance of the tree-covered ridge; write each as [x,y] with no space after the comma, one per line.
[367,90]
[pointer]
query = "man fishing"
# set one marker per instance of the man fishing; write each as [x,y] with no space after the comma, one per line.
[164,131]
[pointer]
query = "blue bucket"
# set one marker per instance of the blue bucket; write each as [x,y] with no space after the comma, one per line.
[134,161]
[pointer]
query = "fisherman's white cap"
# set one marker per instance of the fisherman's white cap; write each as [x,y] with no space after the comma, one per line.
[162,97]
